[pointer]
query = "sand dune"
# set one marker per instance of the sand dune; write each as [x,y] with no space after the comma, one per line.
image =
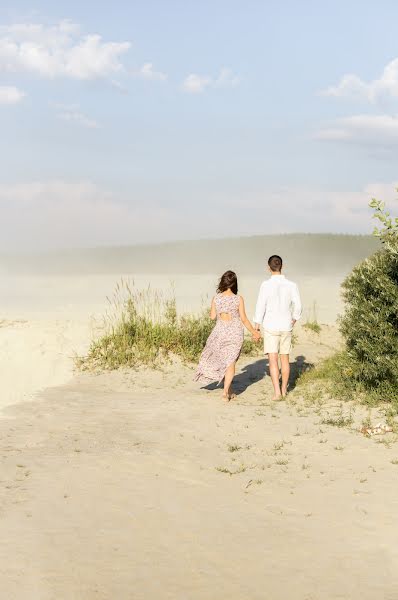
[61,296]
[47,320]
[36,354]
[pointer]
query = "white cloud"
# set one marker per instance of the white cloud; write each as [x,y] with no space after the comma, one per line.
[352,85]
[227,78]
[60,50]
[48,214]
[196,84]
[10,94]
[365,129]
[147,72]
[72,113]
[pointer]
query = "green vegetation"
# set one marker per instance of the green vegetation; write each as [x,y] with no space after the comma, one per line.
[312,322]
[240,469]
[367,368]
[338,421]
[144,328]
[234,448]
[370,322]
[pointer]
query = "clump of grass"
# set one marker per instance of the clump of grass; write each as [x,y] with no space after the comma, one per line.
[241,469]
[144,328]
[313,326]
[334,378]
[234,448]
[338,421]
[312,322]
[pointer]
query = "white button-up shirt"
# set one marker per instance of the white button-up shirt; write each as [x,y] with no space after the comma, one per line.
[278,304]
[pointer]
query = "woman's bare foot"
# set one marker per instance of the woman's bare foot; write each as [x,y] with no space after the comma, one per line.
[284,393]
[231,394]
[226,397]
[279,397]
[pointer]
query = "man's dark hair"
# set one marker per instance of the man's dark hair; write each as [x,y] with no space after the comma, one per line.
[275,263]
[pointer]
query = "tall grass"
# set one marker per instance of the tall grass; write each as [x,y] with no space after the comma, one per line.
[312,321]
[143,327]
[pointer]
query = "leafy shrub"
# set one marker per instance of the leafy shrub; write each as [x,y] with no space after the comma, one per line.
[367,368]
[370,323]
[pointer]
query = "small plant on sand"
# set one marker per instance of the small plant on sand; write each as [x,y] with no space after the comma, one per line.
[234,448]
[338,421]
[241,469]
[144,328]
[312,322]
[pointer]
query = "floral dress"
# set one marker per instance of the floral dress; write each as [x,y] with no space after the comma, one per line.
[224,344]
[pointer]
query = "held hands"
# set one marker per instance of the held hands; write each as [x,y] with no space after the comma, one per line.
[256,336]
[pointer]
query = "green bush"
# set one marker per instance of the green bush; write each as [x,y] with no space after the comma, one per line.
[366,369]
[370,323]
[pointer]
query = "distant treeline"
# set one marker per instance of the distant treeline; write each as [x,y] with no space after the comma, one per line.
[305,253]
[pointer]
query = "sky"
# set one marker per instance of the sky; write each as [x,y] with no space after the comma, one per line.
[131,122]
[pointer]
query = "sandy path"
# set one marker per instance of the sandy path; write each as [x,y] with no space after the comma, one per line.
[112,487]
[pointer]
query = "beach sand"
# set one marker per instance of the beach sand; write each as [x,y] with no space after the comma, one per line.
[46,320]
[139,485]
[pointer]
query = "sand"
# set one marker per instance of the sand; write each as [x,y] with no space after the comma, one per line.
[139,485]
[136,485]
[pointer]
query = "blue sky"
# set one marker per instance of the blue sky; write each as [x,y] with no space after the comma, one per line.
[130,122]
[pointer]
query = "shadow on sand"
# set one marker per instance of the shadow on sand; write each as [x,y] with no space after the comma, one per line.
[256,371]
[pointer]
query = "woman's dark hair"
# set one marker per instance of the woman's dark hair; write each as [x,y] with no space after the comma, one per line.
[228,281]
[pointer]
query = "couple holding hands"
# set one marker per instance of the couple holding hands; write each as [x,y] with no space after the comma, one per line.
[278,308]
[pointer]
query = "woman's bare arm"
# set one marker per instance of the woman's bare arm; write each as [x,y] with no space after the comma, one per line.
[213,311]
[245,320]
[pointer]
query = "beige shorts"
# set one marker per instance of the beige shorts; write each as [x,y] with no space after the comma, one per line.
[279,342]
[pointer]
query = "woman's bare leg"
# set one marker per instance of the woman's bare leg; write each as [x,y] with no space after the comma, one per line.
[229,375]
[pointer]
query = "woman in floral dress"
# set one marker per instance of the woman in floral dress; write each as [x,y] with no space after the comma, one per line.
[224,344]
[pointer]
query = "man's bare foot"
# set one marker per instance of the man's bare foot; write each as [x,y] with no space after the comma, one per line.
[284,393]
[226,397]
[275,397]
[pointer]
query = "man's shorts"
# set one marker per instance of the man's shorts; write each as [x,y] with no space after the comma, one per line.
[279,342]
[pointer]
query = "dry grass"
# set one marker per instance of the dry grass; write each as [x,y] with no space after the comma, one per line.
[142,327]
[312,321]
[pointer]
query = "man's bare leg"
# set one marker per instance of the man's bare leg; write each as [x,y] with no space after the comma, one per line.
[274,372]
[285,367]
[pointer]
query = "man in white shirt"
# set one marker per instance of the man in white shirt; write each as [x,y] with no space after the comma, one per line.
[277,310]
